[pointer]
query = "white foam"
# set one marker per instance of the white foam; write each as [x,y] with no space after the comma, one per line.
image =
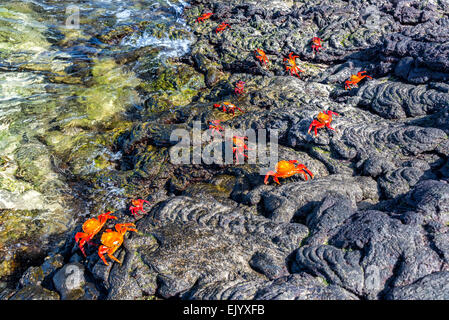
[172,48]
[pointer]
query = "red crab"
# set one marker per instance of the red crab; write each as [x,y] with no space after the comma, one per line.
[239,147]
[228,107]
[260,54]
[137,205]
[91,227]
[239,87]
[222,27]
[112,240]
[323,120]
[292,67]
[316,44]
[285,169]
[204,16]
[355,78]
[215,126]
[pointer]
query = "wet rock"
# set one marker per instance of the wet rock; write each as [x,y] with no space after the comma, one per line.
[35,275]
[35,292]
[71,283]
[372,224]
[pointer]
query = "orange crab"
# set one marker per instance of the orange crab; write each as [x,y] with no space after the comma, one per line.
[112,240]
[204,16]
[285,169]
[355,78]
[91,227]
[215,126]
[137,205]
[292,67]
[240,87]
[239,147]
[260,54]
[222,27]
[323,120]
[316,44]
[228,107]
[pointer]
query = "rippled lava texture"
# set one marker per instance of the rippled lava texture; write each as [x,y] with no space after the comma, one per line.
[373,224]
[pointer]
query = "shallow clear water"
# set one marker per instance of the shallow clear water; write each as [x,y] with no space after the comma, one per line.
[64,94]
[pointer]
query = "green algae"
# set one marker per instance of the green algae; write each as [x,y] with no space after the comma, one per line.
[109,91]
[174,85]
[18,224]
[27,35]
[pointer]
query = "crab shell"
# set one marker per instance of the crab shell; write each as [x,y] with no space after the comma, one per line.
[92,226]
[324,118]
[285,169]
[263,57]
[112,240]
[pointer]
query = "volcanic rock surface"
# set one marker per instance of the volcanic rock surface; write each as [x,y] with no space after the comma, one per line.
[372,224]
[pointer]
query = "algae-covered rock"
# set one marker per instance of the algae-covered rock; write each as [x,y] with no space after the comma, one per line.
[35,292]
[172,86]
[110,90]
[28,233]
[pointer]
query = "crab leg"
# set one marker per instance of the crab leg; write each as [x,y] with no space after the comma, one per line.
[269,173]
[82,238]
[101,251]
[134,211]
[275,178]
[328,125]
[317,126]
[113,258]
[303,167]
[305,175]
[123,227]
